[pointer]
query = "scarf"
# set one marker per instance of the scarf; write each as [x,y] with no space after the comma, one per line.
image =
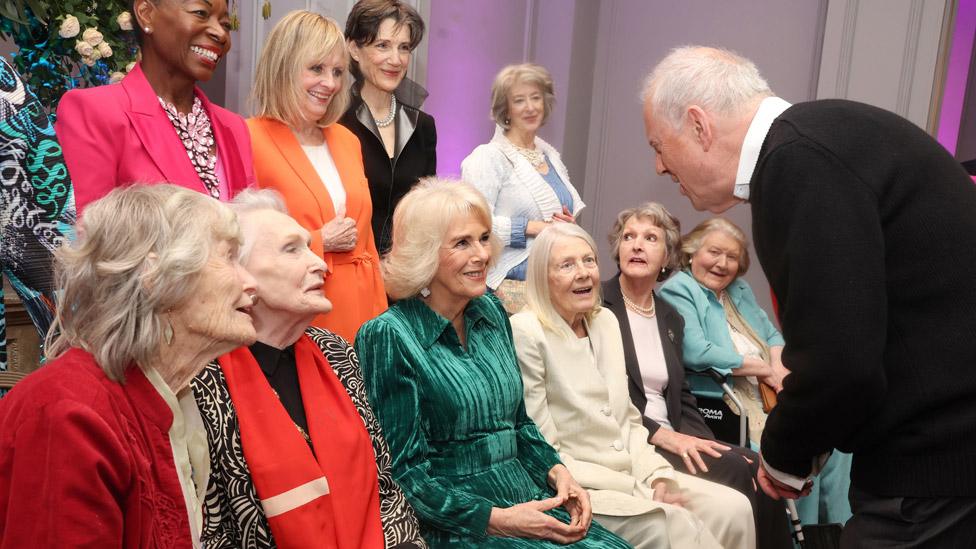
[329,499]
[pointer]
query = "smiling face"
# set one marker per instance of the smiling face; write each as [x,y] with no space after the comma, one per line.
[706,179]
[220,310]
[463,262]
[716,263]
[574,277]
[320,81]
[526,107]
[189,36]
[643,249]
[384,62]
[290,276]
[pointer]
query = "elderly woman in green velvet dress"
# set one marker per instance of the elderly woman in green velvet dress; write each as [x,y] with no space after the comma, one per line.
[441,373]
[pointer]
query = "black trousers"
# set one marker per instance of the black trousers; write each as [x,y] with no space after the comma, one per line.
[909,522]
[772,522]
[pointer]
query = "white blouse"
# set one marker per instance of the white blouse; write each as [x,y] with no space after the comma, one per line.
[325,167]
[654,370]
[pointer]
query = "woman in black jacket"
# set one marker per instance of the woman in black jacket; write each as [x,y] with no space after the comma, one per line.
[398,139]
[645,244]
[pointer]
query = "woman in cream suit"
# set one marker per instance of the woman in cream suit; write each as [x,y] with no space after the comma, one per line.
[572,360]
[316,164]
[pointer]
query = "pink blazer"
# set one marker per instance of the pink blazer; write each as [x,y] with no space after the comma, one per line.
[116,135]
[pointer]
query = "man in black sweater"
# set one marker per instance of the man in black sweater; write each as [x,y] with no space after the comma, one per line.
[866,229]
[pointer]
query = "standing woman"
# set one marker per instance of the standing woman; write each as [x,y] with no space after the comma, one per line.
[299,92]
[522,176]
[157,125]
[398,139]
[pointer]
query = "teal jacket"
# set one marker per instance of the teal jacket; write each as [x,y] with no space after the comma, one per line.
[707,342]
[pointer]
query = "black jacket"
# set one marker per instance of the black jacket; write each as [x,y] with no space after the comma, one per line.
[866,229]
[390,179]
[682,407]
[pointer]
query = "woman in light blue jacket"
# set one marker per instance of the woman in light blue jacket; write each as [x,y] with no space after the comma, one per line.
[727,331]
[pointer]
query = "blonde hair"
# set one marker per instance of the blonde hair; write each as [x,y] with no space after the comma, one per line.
[716,79]
[537,292]
[139,253]
[660,217]
[299,38]
[420,224]
[692,242]
[512,75]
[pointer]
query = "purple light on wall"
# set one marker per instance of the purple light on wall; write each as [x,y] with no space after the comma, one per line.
[957,74]
[469,42]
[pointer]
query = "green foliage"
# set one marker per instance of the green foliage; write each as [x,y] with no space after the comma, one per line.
[51,63]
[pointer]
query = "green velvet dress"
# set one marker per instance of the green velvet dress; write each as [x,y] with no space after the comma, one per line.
[456,423]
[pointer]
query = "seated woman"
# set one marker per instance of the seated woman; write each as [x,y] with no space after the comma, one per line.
[726,330]
[300,90]
[157,125]
[290,413]
[103,447]
[440,369]
[522,176]
[571,356]
[645,242]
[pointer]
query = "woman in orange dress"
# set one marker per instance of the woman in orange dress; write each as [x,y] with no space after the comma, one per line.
[316,164]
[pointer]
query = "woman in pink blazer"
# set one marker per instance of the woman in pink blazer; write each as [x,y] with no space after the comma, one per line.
[157,125]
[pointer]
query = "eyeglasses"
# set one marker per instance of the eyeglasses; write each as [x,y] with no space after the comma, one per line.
[571,266]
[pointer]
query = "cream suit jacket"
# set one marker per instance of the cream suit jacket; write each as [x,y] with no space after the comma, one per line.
[576,392]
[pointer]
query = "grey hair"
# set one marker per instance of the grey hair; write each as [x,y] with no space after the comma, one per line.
[716,79]
[660,217]
[692,242]
[420,224]
[512,75]
[537,292]
[139,254]
[254,200]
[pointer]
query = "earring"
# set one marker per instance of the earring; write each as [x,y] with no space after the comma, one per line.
[425,292]
[168,332]
[147,30]
[662,270]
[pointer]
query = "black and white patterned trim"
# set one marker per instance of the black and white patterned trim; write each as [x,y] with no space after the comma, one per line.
[233,516]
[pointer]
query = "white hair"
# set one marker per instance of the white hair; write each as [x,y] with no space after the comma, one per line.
[139,253]
[537,292]
[249,201]
[715,79]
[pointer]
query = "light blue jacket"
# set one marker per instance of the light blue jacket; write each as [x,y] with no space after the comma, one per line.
[707,342]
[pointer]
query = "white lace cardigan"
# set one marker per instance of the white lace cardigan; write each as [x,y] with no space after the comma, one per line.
[514,189]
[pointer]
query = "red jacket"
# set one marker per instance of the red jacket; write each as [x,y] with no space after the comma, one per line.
[119,134]
[86,462]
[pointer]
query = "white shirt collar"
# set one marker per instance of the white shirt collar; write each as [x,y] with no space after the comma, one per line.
[769,111]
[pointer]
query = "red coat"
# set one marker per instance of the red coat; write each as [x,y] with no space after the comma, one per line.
[119,134]
[86,462]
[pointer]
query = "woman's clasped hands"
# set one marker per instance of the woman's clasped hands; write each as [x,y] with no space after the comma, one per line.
[529,519]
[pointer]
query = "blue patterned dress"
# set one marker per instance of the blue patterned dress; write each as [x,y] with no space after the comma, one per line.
[36,202]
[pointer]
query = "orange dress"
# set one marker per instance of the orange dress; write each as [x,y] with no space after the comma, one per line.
[354,283]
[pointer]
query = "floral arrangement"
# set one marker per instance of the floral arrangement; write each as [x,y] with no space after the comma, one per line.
[65,44]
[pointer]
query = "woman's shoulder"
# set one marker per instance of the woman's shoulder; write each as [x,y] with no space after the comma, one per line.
[483,155]
[681,283]
[102,103]
[527,322]
[72,380]
[326,339]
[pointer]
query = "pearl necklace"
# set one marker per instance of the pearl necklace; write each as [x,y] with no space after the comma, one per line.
[535,157]
[646,312]
[389,117]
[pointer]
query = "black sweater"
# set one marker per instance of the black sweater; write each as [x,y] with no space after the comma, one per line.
[866,229]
